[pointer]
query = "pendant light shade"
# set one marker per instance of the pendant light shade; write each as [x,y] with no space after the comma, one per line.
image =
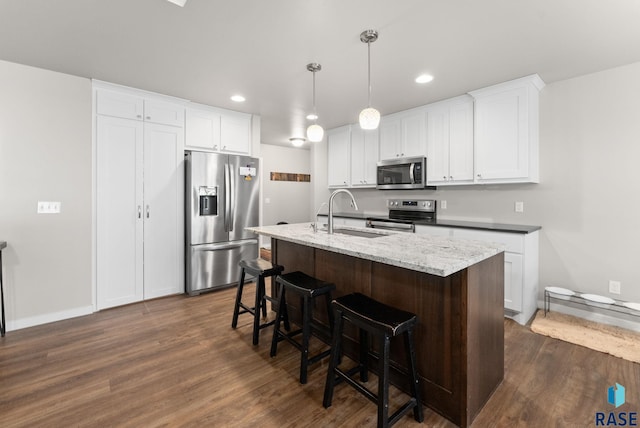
[315,133]
[369,117]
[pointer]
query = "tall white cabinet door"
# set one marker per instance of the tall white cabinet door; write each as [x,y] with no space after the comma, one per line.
[162,206]
[390,136]
[119,146]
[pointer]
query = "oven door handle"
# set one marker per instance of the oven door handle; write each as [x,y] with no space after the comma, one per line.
[373,224]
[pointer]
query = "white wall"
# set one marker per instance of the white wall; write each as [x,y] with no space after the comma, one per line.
[45,155]
[288,200]
[588,200]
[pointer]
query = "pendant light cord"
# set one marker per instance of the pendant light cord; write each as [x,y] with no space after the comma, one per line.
[369,70]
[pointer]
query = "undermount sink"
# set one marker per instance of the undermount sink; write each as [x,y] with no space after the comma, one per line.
[360,233]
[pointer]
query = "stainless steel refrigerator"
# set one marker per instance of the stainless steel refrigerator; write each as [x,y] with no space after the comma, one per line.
[221,199]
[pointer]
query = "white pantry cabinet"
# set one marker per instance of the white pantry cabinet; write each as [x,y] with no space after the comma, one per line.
[139,209]
[403,134]
[338,156]
[364,157]
[214,129]
[520,265]
[450,142]
[506,131]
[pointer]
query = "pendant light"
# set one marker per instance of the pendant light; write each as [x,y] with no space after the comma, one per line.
[314,131]
[369,117]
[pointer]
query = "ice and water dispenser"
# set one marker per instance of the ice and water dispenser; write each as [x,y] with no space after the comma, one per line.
[208,200]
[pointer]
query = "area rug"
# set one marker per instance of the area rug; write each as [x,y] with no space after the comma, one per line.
[616,341]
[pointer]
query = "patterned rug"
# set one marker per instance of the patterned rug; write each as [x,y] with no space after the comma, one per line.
[616,341]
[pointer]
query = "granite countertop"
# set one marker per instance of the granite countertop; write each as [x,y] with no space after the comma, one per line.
[494,227]
[435,255]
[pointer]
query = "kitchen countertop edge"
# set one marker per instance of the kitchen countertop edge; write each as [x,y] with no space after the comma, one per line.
[440,256]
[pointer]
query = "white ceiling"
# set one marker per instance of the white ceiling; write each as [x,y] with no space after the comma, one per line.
[211,49]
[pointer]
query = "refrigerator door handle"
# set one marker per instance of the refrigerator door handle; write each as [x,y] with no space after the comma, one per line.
[232,198]
[227,193]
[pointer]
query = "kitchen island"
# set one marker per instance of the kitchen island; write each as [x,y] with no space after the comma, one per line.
[454,286]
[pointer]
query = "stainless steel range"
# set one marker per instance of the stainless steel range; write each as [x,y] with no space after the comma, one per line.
[404,213]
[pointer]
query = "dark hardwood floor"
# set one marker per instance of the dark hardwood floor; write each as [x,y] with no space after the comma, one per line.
[176,362]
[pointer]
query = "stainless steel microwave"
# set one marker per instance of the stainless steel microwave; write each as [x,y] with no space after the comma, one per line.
[402,173]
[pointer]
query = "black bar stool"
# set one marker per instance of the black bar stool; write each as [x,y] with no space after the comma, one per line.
[383,322]
[261,269]
[308,288]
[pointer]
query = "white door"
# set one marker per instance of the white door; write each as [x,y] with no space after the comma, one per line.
[461,142]
[162,204]
[119,211]
[414,141]
[437,146]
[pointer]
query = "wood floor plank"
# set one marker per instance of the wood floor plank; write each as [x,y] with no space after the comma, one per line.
[176,362]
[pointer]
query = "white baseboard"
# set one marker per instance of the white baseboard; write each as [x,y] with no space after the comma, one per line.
[47,318]
[591,313]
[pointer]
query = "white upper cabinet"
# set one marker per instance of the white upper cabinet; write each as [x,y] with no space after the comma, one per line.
[506,131]
[450,142]
[403,134]
[219,130]
[202,129]
[364,157]
[164,113]
[338,156]
[136,107]
[235,132]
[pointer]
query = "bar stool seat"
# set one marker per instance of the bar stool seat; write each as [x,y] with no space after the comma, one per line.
[308,288]
[383,322]
[261,269]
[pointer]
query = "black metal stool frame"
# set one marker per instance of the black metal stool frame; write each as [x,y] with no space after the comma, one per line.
[308,324]
[335,375]
[261,298]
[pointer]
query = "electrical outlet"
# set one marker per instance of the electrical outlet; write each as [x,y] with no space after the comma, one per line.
[45,207]
[443,205]
[519,207]
[614,287]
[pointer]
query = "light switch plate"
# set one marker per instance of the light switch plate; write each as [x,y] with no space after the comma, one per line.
[51,207]
[519,207]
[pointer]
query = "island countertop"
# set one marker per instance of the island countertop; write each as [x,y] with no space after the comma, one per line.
[434,255]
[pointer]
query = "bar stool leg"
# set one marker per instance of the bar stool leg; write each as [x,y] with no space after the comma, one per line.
[256,310]
[383,382]
[418,414]
[236,308]
[306,332]
[364,355]
[334,359]
[262,286]
[276,327]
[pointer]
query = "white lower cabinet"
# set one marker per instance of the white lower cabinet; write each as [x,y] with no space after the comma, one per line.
[139,208]
[520,266]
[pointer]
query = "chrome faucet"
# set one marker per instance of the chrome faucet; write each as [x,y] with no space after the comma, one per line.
[333,195]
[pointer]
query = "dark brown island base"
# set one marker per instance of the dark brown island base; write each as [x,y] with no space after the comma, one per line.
[460,333]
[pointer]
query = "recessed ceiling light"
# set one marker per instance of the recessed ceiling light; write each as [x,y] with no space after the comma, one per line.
[180,3]
[238,98]
[424,78]
[297,141]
